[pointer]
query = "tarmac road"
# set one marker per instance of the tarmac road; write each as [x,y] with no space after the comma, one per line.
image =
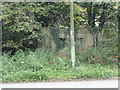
[67,84]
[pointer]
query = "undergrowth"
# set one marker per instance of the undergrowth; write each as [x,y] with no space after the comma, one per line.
[45,65]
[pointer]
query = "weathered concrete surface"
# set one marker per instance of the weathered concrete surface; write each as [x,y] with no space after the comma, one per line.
[58,38]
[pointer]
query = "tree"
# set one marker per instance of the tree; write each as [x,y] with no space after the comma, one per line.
[22,21]
[118,7]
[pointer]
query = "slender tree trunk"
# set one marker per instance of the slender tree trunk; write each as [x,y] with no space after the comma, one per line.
[72,35]
[102,18]
[0,38]
[89,9]
[118,7]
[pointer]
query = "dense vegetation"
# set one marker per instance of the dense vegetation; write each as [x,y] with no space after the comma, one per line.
[22,21]
[24,60]
[44,65]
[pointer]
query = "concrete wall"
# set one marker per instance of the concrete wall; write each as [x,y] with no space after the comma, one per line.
[57,39]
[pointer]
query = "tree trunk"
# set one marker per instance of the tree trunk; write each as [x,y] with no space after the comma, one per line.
[89,9]
[118,30]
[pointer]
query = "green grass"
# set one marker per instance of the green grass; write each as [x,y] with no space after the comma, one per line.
[85,71]
[46,65]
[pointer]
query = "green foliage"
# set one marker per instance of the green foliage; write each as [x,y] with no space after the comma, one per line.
[31,63]
[22,21]
[98,55]
[45,65]
[19,25]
